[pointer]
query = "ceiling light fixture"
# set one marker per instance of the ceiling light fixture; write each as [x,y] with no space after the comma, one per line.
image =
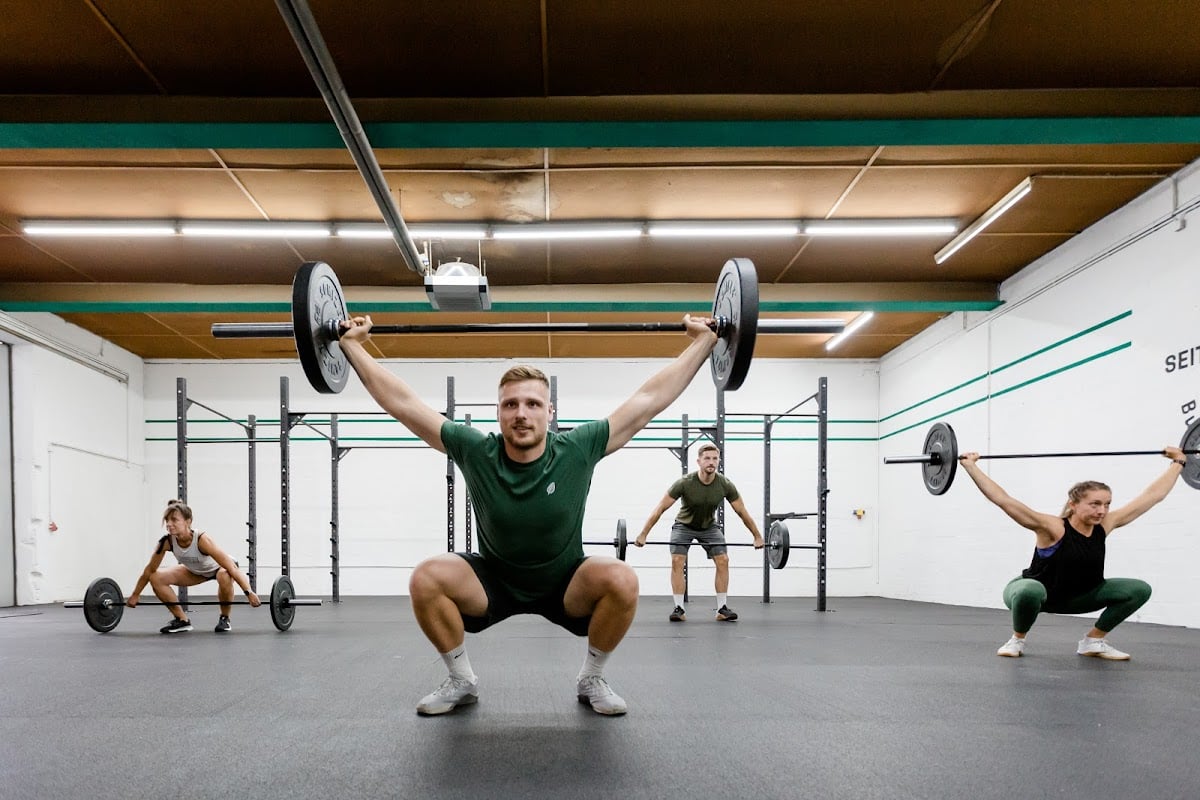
[987,218]
[880,227]
[98,228]
[481,231]
[257,229]
[703,228]
[855,324]
[568,230]
[471,231]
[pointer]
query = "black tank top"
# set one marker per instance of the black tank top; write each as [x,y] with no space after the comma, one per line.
[1077,566]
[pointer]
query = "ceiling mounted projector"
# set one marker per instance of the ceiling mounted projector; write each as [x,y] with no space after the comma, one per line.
[458,286]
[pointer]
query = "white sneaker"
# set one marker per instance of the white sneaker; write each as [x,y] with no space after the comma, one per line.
[453,692]
[1100,648]
[596,691]
[1013,648]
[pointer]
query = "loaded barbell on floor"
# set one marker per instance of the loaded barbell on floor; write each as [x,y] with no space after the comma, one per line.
[778,543]
[103,604]
[939,456]
[319,308]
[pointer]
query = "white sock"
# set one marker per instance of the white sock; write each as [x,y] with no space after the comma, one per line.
[593,664]
[678,600]
[459,665]
[722,600]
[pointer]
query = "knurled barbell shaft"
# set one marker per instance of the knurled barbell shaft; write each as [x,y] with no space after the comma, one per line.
[933,458]
[280,330]
[286,601]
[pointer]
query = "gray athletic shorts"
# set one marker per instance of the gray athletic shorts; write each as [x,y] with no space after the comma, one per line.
[711,539]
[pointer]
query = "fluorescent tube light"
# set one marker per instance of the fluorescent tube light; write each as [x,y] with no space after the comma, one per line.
[449,230]
[257,229]
[987,218]
[98,228]
[695,229]
[568,230]
[879,227]
[854,325]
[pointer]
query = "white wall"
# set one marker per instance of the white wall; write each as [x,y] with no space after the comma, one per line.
[392,505]
[78,506]
[1074,361]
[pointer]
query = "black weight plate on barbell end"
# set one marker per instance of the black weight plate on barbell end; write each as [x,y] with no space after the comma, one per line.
[779,544]
[939,474]
[317,299]
[737,301]
[1191,441]
[622,540]
[103,617]
[282,614]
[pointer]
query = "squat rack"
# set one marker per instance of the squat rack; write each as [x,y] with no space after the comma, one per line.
[821,396]
[183,404]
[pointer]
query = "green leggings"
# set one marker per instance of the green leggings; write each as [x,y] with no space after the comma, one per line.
[1119,597]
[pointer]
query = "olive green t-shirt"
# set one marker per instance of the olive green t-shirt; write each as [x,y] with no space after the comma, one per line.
[530,516]
[699,503]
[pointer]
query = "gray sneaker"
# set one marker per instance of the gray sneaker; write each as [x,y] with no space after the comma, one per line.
[596,691]
[453,692]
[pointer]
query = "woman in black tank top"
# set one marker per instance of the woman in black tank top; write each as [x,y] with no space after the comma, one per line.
[1066,573]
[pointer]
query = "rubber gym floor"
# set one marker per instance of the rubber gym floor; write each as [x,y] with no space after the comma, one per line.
[874,698]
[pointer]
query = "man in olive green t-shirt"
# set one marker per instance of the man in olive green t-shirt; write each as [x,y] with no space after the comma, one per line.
[529,486]
[702,493]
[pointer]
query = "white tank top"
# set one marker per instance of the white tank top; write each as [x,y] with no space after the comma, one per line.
[192,558]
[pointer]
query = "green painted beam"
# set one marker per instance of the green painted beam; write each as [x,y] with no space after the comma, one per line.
[234,307]
[688,133]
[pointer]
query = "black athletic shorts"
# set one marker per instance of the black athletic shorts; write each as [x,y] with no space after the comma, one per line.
[502,604]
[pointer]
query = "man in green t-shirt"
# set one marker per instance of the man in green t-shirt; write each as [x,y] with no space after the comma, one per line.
[529,486]
[702,493]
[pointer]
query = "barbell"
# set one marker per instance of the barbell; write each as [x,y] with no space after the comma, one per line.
[319,308]
[939,456]
[103,604]
[778,543]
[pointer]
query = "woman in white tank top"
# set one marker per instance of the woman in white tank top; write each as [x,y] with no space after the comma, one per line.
[200,559]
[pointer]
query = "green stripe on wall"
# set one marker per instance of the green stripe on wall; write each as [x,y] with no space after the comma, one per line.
[1020,360]
[1021,385]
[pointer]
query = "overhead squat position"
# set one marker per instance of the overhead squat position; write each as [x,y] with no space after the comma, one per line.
[529,486]
[200,560]
[702,493]
[1066,575]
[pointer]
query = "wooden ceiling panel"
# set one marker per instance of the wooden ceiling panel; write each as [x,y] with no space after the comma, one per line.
[1041,157]
[683,157]
[1108,43]
[102,158]
[698,194]
[34,41]
[960,192]
[1068,205]
[146,193]
[21,260]
[177,260]
[779,48]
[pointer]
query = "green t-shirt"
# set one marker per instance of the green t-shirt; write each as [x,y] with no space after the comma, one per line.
[699,503]
[530,516]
